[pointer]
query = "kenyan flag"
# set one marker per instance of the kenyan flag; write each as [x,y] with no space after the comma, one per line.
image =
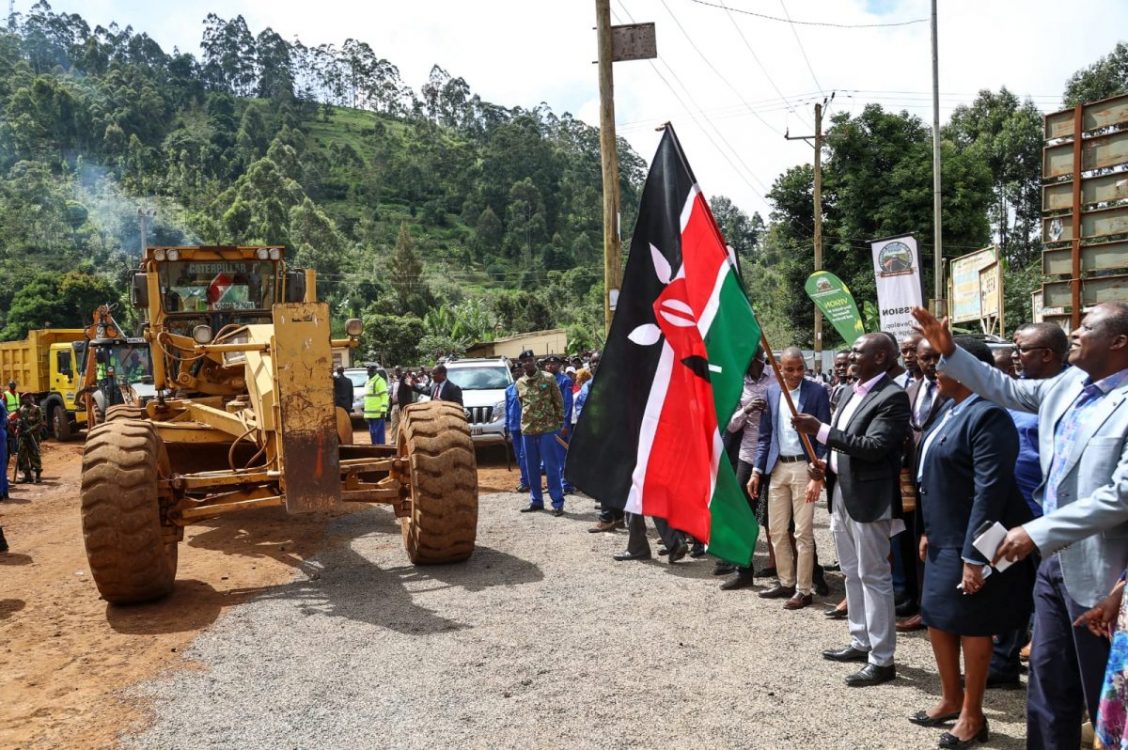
[672,371]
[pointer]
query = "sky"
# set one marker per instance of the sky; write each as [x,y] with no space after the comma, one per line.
[732,83]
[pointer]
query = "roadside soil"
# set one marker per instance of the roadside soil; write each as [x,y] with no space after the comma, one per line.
[66,656]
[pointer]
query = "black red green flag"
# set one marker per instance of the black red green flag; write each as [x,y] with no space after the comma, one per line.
[648,440]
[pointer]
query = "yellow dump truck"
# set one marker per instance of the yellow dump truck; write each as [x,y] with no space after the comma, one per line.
[46,365]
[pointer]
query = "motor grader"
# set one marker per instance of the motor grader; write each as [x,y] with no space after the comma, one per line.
[243,418]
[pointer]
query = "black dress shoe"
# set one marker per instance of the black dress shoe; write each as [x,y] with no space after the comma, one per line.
[871,674]
[922,719]
[723,569]
[998,682]
[742,580]
[697,551]
[820,585]
[949,741]
[778,592]
[908,609]
[767,573]
[558,512]
[632,556]
[532,508]
[834,613]
[846,654]
[522,488]
[832,567]
[678,551]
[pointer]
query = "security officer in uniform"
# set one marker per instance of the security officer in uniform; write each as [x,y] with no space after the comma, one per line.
[30,426]
[375,405]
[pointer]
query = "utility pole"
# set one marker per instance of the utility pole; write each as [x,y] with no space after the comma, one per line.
[939,304]
[612,264]
[818,221]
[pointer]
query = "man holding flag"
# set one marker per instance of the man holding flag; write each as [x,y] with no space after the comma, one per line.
[672,370]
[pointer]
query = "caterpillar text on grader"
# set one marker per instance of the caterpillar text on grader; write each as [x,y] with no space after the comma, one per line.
[243,418]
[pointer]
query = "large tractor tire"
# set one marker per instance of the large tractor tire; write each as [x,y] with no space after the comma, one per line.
[124,411]
[443,523]
[132,557]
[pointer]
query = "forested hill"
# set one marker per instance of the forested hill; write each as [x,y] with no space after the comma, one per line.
[440,217]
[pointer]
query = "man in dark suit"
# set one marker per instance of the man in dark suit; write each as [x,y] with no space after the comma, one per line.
[863,481]
[780,455]
[441,389]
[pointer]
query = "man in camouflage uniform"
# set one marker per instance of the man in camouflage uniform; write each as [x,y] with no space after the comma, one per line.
[542,416]
[30,427]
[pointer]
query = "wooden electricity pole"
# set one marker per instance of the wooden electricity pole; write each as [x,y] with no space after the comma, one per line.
[612,264]
[818,222]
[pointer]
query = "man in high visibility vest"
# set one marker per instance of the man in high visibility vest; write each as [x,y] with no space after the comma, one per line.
[375,405]
[11,398]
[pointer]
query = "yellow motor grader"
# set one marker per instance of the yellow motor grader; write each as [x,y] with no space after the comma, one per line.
[243,417]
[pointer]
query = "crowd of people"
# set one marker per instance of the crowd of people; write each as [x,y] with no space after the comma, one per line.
[926,449]
[22,426]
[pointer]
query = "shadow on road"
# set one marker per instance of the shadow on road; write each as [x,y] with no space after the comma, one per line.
[15,558]
[338,582]
[9,607]
[192,605]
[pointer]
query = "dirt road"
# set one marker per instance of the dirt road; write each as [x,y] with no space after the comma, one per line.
[67,655]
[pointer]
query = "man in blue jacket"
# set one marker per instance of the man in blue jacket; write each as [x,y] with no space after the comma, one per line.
[552,363]
[513,427]
[780,455]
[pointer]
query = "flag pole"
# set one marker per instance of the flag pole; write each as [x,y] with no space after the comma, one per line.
[807,447]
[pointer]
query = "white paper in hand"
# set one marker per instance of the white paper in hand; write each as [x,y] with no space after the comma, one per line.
[988,541]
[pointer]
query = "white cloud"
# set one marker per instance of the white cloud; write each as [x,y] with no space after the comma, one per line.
[522,52]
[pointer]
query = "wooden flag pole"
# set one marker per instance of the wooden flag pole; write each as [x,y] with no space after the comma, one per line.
[807,447]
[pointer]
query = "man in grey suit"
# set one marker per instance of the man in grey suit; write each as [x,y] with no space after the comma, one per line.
[1083,534]
[866,437]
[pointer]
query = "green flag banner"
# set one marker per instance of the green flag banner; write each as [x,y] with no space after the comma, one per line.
[832,297]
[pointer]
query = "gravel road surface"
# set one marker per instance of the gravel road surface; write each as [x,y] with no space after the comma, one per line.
[541,640]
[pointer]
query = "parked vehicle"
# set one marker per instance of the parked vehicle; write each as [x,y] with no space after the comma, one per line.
[483,383]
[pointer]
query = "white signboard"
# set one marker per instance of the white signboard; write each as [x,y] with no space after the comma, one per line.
[896,265]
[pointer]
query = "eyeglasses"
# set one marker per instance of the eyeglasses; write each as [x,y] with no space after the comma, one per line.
[1027,349]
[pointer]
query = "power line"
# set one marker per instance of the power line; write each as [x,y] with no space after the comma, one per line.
[827,24]
[806,59]
[734,153]
[713,67]
[763,69]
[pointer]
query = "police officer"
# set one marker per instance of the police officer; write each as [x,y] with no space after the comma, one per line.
[30,426]
[375,405]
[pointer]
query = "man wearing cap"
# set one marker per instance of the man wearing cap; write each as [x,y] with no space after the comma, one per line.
[542,417]
[30,426]
[552,363]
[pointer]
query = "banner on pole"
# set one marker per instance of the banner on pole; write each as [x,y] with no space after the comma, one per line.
[834,299]
[896,266]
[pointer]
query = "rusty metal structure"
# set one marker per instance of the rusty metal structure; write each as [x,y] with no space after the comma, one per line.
[1084,209]
[244,418]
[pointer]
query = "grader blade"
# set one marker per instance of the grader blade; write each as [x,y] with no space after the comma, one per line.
[303,361]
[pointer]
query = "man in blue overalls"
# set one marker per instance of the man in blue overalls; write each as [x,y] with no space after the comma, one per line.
[552,363]
[513,427]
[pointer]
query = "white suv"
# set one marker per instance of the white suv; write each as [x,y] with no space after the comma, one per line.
[483,383]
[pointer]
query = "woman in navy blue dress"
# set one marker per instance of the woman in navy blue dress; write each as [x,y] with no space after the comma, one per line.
[966,481]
